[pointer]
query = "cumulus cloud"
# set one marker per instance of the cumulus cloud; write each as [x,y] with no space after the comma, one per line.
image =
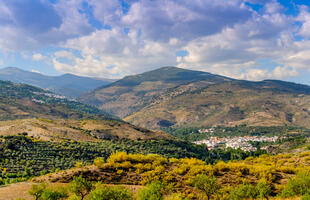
[162,20]
[304,18]
[224,38]
[38,57]
[227,37]
[31,24]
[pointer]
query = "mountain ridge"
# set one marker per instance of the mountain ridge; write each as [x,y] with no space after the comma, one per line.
[183,97]
[68,85]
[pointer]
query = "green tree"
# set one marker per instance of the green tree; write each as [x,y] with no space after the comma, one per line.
[103,192]
[37,190]
[80,186]
[243,192]
[263,189]
[152,191]
[54,194]
[208,185]
[300,185]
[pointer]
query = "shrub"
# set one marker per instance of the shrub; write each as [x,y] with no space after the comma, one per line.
[306,197]
[152,191]
[300,185]
[174,196]
[37,190]
[99,162]
[103,192]
[54,194]
[80,187]
[263,189]
[208,185]
[79,164]
[244,192]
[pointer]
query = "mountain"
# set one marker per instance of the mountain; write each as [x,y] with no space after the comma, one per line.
[40,113]
[68,85]
[126,96]
[173,97]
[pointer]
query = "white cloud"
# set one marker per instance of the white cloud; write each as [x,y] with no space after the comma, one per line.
[186,20]
[221,36]
[115,54]
[38,57]
[304,18]
[64,54]
[31,24]
[35,71]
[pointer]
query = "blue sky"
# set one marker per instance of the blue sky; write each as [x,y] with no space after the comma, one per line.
[245,39]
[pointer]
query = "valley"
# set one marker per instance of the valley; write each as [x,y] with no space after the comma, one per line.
[150,129]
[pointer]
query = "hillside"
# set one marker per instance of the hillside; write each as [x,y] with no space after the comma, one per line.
[68,85]
[42,114]
[20,101]
[266,103]
[176,97]
[124,97]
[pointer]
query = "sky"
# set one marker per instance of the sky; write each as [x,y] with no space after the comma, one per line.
[244,39]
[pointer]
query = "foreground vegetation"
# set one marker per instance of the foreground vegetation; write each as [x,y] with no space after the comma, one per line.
[22,157]
[264,177]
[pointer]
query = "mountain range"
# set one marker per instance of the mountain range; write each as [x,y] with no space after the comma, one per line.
[174,97]
[68,85]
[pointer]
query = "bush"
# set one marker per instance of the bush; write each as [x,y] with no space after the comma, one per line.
[99,162]
[103,192]
[244,192]
[37,190]
[263,189]
[208,185]
[175,196]
[300,185]
[80,187]
[152,191]
[54,194]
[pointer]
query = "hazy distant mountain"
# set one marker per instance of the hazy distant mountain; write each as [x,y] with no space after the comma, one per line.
[68,85]
[171,96]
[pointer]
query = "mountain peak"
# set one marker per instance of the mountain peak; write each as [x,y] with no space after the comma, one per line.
[11,69]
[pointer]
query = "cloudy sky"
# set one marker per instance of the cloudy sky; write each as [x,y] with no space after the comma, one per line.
[246,39]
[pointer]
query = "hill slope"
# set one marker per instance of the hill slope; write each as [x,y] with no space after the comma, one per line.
[266,103]
[68,85]
[171,96]
[25,108]
[126,96]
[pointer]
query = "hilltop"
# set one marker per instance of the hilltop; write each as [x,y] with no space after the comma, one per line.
[68,85]
[173,97]
[124,97]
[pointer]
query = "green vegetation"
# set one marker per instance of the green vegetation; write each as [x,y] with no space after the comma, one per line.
[152,191]
[188,178]
[103,192]
[22,157]
[208,185]
[19,101]
[193,134]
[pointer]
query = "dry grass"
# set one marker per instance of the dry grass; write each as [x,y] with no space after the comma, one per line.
[77,130]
